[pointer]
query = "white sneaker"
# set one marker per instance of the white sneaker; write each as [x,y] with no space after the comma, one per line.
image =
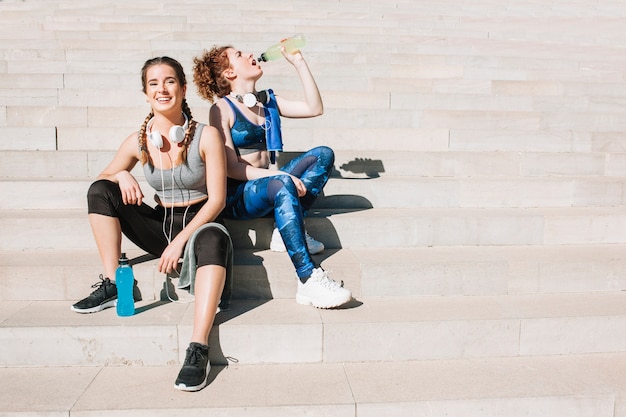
[321,291]
[277,244]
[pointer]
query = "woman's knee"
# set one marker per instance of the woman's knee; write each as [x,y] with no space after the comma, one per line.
[281,182]
[325,155]
[100,187]
[211,247]
[102,196]
[326,151]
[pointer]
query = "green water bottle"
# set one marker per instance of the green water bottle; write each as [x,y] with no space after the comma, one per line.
[291,44]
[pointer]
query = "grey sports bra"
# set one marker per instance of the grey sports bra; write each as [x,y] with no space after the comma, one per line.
[183,183]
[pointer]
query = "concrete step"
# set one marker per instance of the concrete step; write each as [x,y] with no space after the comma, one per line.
[65,275]
[479,137]
[361,228]
[462,138]
[85,165]
[374,179]
[381,192]
[517,98]
[361,163]
[281,331]
[573,385]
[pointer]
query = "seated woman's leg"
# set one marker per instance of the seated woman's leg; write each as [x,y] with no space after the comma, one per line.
[290,223]
[143,225]
[257,198]
[313,168]
[211,250]
[109,218]
[105,225]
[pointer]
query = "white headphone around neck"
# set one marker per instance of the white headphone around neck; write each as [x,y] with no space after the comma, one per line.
[251,99]
[177,133]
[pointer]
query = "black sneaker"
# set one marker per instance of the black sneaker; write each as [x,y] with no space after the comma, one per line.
[192,376]
[104,296]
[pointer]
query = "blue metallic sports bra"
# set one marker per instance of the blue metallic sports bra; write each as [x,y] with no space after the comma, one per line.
[247,137]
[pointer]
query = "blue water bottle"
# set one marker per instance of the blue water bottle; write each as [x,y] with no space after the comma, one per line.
[125,280]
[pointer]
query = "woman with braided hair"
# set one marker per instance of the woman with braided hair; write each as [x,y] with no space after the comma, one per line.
[184,161]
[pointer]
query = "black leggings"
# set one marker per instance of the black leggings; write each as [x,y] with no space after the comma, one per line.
[149,228]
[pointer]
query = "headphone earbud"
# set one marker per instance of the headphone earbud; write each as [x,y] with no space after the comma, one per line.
[155,139]
[251,99]
[176,134]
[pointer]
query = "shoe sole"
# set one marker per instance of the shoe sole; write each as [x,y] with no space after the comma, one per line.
[183,387]
[95,309]
[303,300]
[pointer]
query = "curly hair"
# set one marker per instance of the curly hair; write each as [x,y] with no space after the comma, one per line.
[208,73]
[182,80]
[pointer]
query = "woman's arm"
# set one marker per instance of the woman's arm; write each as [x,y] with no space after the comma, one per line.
[312,104]
[119,168]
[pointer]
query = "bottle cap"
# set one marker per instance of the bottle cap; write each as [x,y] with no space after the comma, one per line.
[123,259]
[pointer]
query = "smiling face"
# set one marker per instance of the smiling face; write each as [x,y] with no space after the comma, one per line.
[163,88]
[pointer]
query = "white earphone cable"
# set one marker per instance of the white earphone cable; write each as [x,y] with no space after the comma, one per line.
[168,236]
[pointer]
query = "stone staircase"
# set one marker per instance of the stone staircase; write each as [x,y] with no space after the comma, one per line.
[476,211]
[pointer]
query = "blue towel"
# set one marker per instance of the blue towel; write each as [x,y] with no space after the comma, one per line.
[273,134]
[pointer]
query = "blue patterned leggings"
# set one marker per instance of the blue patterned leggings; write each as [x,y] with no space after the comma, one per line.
[252,199]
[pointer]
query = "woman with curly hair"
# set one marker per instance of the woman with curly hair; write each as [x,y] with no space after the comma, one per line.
[184,161]
[249,121]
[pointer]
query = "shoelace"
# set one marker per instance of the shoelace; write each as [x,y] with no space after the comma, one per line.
[194,356]
[326,281]
[99,286]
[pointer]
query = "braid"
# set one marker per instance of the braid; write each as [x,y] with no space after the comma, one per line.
[143,145]
[191,130]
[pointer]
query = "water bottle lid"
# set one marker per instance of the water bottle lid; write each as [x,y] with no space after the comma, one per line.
[123,259]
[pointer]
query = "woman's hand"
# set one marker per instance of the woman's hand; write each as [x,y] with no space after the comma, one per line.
[131,191]
[293,58]
[168,261]
[299,185]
